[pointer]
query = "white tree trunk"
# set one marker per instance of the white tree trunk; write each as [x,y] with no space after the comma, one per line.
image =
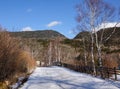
[85,55]
[50,53]
[92,55]
[59,54]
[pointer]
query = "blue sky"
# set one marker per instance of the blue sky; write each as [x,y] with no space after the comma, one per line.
[59,15]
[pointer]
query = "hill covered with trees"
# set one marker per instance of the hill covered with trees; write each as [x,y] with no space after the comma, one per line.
[40,34]
[110,36]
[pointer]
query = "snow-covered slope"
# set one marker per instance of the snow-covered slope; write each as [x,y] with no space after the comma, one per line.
[62,78]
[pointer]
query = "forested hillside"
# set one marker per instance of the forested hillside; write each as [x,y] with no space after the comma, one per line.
[41,34]
[114,36]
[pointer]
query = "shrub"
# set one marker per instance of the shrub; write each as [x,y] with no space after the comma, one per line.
[110,61]
[25,62]
[13,59]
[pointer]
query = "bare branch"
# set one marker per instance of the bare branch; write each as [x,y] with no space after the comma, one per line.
[111,33]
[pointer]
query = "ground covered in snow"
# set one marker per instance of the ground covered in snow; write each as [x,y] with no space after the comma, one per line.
[62,78]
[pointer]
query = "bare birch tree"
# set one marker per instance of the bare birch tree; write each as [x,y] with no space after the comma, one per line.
[85,54]
[91,14]
[50,53]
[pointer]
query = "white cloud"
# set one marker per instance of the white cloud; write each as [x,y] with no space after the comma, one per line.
[73,31]
[70,32]
[53,23]
[27,29]
[29,10]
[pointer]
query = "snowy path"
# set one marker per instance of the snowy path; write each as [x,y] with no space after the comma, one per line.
[62,78]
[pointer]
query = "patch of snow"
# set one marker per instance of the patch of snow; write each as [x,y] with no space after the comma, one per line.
[27,29]
[107,25]
[62,78]
[15,86]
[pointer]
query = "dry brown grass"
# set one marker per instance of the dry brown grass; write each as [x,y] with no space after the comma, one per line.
[14,60]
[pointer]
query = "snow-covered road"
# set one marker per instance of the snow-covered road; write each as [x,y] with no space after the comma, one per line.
[62,78]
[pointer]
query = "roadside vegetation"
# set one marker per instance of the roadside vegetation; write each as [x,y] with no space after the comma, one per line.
[15,60]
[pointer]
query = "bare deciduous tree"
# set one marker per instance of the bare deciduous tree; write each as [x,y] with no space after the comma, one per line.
[91,14]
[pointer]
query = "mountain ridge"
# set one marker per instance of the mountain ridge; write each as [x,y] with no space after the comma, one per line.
[106,33]
[41,34]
